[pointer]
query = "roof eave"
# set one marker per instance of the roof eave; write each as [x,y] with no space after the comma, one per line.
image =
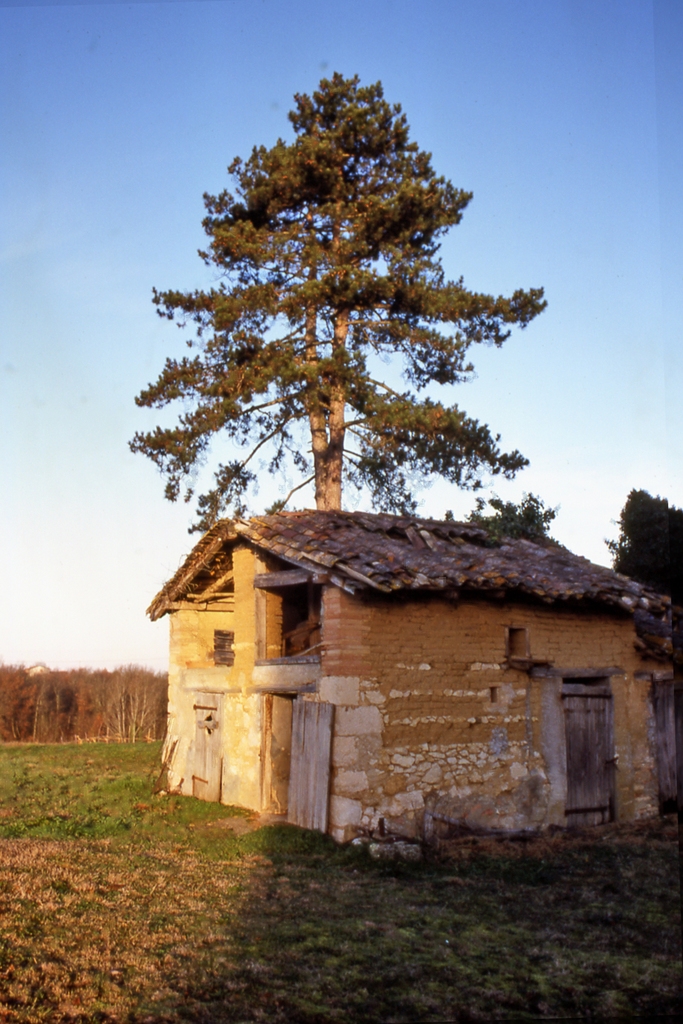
[201,554]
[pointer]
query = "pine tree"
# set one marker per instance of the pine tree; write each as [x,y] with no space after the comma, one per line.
[328,266]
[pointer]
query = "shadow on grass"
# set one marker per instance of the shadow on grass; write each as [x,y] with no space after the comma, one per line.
[324,934]
[119,906]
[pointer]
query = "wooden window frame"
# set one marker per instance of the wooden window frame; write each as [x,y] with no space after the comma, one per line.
[224,651]
[278,582]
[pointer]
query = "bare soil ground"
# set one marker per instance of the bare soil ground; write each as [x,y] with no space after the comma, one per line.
[116,905]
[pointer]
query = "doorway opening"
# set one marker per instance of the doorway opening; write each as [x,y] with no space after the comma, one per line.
[277,752]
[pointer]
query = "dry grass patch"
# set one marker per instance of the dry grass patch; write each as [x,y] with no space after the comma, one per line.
[119,906]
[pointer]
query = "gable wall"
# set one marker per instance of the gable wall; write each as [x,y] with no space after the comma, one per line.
[192,670]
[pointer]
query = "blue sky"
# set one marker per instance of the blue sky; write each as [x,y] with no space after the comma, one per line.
[564,120]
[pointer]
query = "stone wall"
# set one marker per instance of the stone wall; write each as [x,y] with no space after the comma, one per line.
[429,716]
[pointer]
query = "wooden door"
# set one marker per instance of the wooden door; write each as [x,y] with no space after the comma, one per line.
[678,736]
[208,747]
[665,740]
[590,753]
[309,779]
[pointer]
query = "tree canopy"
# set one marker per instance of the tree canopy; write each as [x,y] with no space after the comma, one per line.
[650,543]
[530,519]
[327,264]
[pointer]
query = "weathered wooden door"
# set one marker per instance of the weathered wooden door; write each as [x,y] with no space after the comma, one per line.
[309,778]
[208,747]
[590,753]
[665,740]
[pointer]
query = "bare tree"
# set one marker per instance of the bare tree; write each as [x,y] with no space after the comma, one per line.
[127,704]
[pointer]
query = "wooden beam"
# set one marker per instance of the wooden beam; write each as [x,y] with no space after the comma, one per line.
[542,671]
[579,689]
[222,603]
[354,574]
[291,659]
[215,587]
[428,539]
[282,688]
[415,539]
[524,664]
[286,578]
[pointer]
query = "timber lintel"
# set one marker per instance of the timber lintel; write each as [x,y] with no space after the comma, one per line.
[287,578]
[545,671]
[280,688]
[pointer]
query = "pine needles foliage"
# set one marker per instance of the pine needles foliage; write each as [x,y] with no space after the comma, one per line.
[326,256]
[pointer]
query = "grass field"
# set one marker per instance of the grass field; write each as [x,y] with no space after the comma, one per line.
[116,905]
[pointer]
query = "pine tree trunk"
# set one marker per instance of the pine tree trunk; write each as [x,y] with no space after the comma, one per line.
[328,486]
[328,450]
[327,433]
[330,497]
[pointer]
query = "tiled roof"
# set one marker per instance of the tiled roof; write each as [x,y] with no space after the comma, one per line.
[388,553]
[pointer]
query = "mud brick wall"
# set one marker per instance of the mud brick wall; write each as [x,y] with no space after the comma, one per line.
[430,716]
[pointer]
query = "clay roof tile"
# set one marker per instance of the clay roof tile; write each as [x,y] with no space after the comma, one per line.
[388,552]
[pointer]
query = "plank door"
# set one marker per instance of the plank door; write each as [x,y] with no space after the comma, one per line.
[208,746]
[309,778]
[678,736]
[665,740]
[590,753]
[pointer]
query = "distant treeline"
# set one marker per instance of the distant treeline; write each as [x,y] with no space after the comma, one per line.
[41,706]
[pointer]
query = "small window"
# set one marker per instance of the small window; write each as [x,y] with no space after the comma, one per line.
[223,647]
[300,620]
[493,690]
[517,642]
[288,621]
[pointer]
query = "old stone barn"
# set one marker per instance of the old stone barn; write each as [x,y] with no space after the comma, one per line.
[343,668]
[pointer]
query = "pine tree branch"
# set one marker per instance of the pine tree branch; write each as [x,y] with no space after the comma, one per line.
[266,405]
[298,487]
[379,384]
[273,433]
